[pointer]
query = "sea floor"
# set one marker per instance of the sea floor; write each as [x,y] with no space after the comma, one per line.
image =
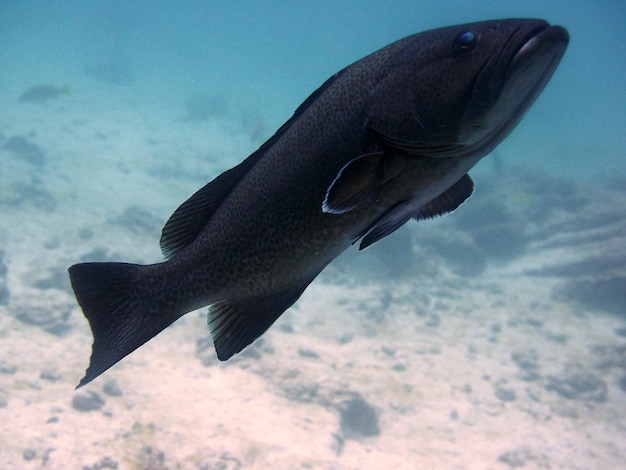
[494,338]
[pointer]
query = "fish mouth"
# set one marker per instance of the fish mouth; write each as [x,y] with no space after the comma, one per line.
[542,49]
[527,56]
[510,83]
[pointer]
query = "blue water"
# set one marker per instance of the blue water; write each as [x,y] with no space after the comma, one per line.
[492,338]
[270,56]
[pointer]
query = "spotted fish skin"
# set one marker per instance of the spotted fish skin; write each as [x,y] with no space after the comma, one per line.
[388,139]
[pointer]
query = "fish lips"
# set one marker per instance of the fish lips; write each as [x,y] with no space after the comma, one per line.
[539,56]
[524,62]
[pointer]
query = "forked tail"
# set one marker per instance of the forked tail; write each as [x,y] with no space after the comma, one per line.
[122,313]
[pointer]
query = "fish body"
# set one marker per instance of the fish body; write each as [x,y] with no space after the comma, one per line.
[388,139]
[41,93]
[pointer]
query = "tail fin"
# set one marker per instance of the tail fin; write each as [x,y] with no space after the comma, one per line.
[122,313]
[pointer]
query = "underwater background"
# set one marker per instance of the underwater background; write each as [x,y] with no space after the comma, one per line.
[491,338]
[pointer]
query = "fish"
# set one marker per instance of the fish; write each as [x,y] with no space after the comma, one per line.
[114,73]
[388,139]
[41,93]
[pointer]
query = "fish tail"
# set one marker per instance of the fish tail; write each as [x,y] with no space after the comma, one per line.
[122,313]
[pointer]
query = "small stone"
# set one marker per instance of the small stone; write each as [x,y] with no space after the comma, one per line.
[4,289]
[268,348]
[9,369]
[205,351]
[505,394]
[302,393]
[578,385]
[50,310]
[358,418]
[89,401]
[524,456]
[108,462]
[346,338]
[213,461]
[564,410]
[29,454]
[556,337]
[50,376]
[112,389]
[528,361]
[308,353]
[56,278]
[104,462]
[433,321]
[607,357]
[85,233]
[152,458]
[600,293]
[251,352]
[138,221]
[336,446]
[34,385]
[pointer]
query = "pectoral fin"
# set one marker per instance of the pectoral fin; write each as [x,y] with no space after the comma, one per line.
[359,179]
[386,224]
[402,212]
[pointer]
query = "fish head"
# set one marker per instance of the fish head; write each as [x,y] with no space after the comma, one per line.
[459,91]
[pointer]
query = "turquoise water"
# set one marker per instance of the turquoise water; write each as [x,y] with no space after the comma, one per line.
[271,56]
[492,338]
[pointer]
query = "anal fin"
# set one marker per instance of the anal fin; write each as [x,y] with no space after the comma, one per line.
[236,323]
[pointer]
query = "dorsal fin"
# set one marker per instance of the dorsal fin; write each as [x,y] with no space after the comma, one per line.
[186,223]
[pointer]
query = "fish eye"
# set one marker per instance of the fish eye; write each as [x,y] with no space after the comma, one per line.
[466,41]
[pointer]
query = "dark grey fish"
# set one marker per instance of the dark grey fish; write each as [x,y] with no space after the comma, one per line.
[388,139]
[41,93]
[112,73]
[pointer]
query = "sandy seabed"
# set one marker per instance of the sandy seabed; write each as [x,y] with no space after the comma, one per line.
[473,364]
